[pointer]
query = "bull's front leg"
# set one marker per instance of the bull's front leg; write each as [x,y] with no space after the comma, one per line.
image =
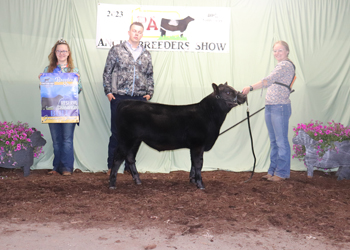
[117,161]
[113,175]
[197,164]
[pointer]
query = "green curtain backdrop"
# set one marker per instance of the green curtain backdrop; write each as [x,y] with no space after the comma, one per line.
[318,33]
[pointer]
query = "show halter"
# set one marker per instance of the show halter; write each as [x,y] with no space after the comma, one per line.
[250,133]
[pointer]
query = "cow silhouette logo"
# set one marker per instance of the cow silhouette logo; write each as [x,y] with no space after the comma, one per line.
[174,25]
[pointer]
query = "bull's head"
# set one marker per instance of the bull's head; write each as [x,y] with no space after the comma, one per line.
[232,97]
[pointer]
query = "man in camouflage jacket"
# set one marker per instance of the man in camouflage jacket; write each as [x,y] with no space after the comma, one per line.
[128,74]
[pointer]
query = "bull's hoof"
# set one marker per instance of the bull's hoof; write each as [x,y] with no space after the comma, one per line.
[193,180]
[112,188]
[200,186]
[137,181]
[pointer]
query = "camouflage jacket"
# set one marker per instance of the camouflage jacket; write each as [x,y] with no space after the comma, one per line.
[125,76]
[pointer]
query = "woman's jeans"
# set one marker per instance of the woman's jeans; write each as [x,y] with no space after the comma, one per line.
[277,122]
[62,139]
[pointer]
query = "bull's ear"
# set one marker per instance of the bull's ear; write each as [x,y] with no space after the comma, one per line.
[216,88]
[225,83]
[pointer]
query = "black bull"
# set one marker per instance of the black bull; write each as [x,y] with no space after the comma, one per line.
[169,127]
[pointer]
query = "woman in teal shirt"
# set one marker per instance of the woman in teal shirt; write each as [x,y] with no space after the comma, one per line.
[62,133]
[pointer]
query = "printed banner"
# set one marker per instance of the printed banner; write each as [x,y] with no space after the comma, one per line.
[166,28]
[59,98]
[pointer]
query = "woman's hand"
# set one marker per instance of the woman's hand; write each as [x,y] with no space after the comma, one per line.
[40,75]
[246,90]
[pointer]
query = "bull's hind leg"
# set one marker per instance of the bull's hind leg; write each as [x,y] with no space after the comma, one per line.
[197,164]
[130,159]
[118,158]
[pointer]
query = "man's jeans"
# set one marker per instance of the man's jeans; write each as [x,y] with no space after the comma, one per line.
[113,138]
[277,122]
[62,138]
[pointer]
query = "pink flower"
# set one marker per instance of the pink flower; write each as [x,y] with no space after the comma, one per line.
[14,137]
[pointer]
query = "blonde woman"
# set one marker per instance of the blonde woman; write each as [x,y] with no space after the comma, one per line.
[278,111]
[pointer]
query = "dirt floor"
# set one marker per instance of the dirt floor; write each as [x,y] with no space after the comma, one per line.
[298,208]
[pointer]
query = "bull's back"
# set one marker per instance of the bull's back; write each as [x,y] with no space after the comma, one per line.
[164,127]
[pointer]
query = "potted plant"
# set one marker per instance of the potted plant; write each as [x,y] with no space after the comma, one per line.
[19,144]
[323,146]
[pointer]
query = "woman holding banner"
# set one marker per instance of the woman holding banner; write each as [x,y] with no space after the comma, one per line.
[278,111]
[62,133]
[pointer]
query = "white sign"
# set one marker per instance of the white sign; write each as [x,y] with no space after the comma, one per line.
[166,28]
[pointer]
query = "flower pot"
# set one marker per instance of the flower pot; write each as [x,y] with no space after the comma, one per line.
[339,157]
[24,157]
